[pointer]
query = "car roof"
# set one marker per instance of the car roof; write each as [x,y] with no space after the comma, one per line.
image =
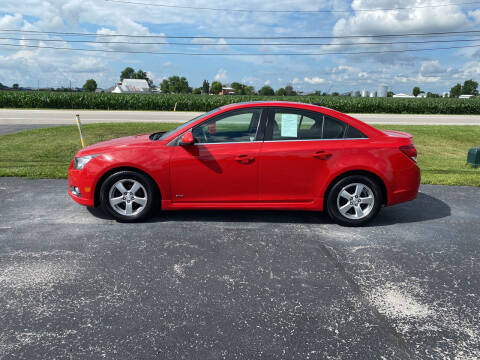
[271,103]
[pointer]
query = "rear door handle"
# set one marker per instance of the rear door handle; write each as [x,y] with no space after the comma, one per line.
[322,155]
[244,159]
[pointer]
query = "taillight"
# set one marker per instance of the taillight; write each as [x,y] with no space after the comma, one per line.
[410,151]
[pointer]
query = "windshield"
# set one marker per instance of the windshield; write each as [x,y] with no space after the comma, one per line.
[167,134]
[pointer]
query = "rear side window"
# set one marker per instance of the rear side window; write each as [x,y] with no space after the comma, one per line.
[353,133]
[333,129]
[294,124]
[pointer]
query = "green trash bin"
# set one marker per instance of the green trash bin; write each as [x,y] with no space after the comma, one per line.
[473,157]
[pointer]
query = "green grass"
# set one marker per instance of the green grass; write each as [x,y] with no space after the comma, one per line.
[46,153]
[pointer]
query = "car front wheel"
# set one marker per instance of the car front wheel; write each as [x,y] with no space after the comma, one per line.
[354,200]
[128,196]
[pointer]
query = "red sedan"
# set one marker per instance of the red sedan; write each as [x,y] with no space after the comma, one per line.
[258,155]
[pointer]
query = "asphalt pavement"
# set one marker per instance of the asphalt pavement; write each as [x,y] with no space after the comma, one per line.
[75,284]
[67,117]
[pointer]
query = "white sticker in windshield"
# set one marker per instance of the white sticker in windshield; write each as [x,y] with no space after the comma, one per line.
[289,125]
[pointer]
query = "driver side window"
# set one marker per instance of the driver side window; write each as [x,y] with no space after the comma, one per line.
[237,126]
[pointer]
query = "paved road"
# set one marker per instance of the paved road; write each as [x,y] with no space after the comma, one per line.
[237,285]
[39,117]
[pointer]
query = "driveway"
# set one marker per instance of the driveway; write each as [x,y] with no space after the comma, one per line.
[237,285]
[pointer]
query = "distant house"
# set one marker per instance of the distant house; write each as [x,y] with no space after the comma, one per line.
[128,86]
[227,90]
[403,96]
[422,95]
[465,96]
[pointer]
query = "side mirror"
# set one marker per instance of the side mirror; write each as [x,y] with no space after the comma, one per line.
[187,139]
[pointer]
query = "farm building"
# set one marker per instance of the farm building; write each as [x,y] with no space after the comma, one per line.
[227,90]
[403,96]
[132,86]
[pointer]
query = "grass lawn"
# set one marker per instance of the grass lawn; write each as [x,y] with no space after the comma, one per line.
[46,153]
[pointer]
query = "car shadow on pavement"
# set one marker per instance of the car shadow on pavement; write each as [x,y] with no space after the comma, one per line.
[425,207]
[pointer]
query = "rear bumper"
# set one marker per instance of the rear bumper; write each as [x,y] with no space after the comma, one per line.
[84,181]
[406,185]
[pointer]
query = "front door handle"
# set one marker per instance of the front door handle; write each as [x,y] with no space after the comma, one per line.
[244,159]
[322,155]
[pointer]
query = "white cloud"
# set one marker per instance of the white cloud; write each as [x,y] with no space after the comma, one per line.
[221,75]
[314,80]
[296,81]
[11,21]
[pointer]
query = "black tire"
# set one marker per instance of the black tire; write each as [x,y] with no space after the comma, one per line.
[148,191]
[371,188]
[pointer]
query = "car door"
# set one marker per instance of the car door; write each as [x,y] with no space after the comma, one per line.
[222,164]
[297,155]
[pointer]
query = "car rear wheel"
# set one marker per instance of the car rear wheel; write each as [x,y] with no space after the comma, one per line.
[354,200]
[128,196]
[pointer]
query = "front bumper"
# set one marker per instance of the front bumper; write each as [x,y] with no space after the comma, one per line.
[85,184]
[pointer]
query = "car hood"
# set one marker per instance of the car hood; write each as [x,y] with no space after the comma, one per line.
[115,144]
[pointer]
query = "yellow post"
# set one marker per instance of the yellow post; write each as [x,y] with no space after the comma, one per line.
[80,130]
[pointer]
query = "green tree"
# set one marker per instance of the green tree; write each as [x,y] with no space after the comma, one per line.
[239,88]
[242,89]
[416,90]
[289,91]
[90,85]
[456,91]
[165,86]
[178,85]
[205,87]
[266,91]
[15,86]
[249,90]
[216,87]
[197,91]
[281,92]
[128,73]
[470,87]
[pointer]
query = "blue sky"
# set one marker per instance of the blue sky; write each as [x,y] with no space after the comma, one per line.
[435,71]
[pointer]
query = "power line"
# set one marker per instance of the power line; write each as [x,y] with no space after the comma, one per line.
[242,54]
[442,33]
[239,44]
[287,11]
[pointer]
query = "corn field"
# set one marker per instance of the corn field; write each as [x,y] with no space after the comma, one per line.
[190,102]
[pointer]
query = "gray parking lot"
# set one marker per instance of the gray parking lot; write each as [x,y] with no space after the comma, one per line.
[237,285]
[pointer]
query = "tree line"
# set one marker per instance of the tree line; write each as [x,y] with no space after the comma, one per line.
[469,87]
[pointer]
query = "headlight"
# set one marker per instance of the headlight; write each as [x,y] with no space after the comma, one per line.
[80,162]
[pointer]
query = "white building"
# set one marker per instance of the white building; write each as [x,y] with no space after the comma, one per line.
[465,96]
[422,95]
[400,95]
[382,91]
[132,86]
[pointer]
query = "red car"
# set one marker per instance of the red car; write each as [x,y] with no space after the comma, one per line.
[257,155]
